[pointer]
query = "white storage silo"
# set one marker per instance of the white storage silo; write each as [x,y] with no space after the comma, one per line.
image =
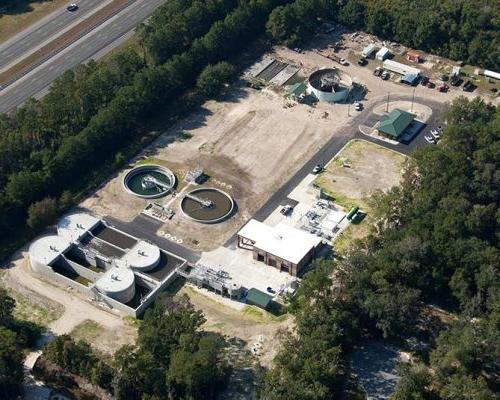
[117,283]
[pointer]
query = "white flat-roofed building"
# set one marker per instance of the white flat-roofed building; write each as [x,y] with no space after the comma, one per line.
[283,247]
[400,68]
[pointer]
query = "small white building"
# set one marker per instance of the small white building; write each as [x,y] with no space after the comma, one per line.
[283,247]
[382,54]
[400,68]
[369,50]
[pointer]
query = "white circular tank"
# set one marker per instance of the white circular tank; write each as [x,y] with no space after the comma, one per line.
[143,256]
[235,290]
[117,283]
[45,250]
[330,84]
[74,226]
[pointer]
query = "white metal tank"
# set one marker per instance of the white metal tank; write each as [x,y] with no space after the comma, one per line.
[234,290]
[143,256]
[44,251]
[117,283]
[74,226]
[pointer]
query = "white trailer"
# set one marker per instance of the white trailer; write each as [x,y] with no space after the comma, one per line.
[368,50]
[399,68]
[382,54]
[491,74]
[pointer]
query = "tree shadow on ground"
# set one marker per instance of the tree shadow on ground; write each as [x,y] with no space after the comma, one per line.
[245,370]
[15,7]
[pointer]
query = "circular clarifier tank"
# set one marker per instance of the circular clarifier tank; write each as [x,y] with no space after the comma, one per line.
[149,181]
[207,205]
[117,283]
[142,257]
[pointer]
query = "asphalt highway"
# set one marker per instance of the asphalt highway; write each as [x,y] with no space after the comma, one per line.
[26,41]
[42,76]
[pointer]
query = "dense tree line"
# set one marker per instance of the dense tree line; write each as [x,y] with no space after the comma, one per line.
[295,23]
[461,30]
[435,241]
[172,358]
[15,336]
[54,145]
[175,25]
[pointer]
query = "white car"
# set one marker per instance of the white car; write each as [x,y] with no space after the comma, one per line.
[343,61]
[317,169]
[429,139]
[72,7]
[358,106]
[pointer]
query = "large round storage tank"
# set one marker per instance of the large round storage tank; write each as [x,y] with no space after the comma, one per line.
[143,256]
[73,226]
[44,251]
[117,283]
[330,85]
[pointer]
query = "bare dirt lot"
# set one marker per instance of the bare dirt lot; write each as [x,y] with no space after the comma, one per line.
[368,167]
[105,339]
[249,144]
[247,325]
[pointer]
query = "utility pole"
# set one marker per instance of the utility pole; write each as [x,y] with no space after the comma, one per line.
[413,98]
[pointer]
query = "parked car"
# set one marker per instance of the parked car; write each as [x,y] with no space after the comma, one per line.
[430,139]
[443,87]
[287,210]
[72,7]
[343,61]
[317,169]
[468,86]
[424,80]
[377,71]
[444,77]
[385,75]
[271,290]
[431,85]
[435,134]
[358,106]
[362,61]
[455,80]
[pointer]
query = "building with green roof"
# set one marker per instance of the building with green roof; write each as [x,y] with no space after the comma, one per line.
[255,297]
[394,123]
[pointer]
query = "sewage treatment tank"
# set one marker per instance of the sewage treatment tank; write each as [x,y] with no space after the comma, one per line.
[207,205]
[149,181]
[117,283]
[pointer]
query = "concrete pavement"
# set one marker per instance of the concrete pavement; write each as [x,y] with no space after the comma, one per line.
[83,49]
